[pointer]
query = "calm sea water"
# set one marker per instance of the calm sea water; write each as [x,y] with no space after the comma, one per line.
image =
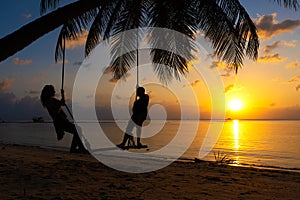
[261,143]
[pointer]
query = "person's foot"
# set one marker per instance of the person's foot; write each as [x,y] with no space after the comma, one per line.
[74,151]
[121,146]
[140,145]
[131,142]
[84,151]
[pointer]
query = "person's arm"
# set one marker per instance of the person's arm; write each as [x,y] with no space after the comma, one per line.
[134,108]
[63,100]
[146,100]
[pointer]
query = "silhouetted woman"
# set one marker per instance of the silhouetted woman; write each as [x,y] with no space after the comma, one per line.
[139,114]
[60,121]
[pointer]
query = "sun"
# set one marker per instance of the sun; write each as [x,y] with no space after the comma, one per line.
[235,104]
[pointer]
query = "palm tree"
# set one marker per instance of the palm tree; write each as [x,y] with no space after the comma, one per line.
[225,23]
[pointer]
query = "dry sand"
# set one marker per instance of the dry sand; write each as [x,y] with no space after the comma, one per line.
[36,173]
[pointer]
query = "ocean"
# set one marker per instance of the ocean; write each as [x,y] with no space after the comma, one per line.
[273,144]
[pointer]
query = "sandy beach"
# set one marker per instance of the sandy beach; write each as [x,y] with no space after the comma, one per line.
[37,173]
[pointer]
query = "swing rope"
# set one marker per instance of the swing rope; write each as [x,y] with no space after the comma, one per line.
[130,140]
[137,59]
[63,77]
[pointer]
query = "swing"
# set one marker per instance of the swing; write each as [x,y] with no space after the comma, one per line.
[131,143]
[63,77]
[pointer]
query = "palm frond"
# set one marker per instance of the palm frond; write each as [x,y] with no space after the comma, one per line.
[292,4]
[48,4]
[131,16]
[114,14]
[122,64]
[124,43]
[171,53]
[230,29]
[71,29]
[177,16]
[168,65]
[98,27]
[123,52]
[115,17]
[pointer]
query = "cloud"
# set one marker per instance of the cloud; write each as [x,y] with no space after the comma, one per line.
[293,64]
[289,44]
[60,62]
[294,79]
[38,77]
[269,48]
[33,92]
[218,64]
[229,88]
[297,87]
[80,41]
[268,27]
[27,15]
[222,66]
[277,79]
[193,84]
[6,104]
[18,61]
[270,58]
[272,104]
[226,74]
[113,80]
[5,84]
[77,64]
[20,109]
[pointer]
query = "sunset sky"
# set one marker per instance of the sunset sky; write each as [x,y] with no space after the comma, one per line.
[268,88]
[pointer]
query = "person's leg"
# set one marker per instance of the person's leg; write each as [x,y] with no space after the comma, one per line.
[83,140]
[76,142]
[138,134]
[139,125]
[127,134]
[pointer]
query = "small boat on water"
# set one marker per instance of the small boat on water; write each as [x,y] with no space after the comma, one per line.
[38,120]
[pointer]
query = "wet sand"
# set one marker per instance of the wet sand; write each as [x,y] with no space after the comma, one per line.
[37,173]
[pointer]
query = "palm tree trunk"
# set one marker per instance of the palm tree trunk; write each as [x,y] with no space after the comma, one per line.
[18,40]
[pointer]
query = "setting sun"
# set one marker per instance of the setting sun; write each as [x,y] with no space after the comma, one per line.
[235,104]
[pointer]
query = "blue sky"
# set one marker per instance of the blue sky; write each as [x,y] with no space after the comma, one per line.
[269,87]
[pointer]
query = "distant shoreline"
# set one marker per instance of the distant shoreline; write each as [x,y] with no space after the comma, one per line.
[111,120]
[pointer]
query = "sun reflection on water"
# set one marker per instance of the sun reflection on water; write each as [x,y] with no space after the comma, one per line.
[236,146]
[236,134]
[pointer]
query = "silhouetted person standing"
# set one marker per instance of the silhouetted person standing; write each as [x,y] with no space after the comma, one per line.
[139,114]
[60,121]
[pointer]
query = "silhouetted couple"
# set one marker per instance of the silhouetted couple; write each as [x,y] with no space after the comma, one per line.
[139,114]
[60,121]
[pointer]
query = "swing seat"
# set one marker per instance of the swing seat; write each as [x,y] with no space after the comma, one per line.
[135,147]
[131,145]
[131,141]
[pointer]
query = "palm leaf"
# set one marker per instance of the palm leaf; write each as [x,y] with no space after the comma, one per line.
[124,43]
[174,15]
[98,26]
[229,28]
[71,29]
[289,3]
[123,52]
[48,4]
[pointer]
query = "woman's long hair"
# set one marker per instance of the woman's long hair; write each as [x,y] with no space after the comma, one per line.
[47,92]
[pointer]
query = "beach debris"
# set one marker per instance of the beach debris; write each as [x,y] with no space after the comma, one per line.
[223,159]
